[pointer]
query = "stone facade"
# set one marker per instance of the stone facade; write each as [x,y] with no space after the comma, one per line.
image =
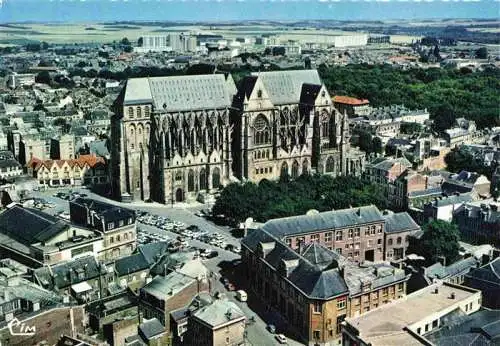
[285,123]
[175,138]
[177,128]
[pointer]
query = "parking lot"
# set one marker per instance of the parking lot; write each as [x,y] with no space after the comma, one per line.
[184,227]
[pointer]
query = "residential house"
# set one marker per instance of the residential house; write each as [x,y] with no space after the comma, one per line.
[408,321]
[453,273]
[219,323]
[399,227]
[479,222]
[486,279]
[82,278]
[165,294]
[443,207]
[35,238]
[464,182]
[153,333]
[479,328]
[136,267]
[316,289]
[351,105]
[85,170]
[10,168]
[357,233]
[62,147]
[463,132]
[110,309]
[117,225]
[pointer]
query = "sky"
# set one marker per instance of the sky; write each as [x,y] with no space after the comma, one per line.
[234,10]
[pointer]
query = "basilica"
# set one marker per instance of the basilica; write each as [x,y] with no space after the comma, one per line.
[175,139]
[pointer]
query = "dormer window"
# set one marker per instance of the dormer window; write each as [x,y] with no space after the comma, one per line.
[323,93]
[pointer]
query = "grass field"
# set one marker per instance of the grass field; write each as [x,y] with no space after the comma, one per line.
[99,33]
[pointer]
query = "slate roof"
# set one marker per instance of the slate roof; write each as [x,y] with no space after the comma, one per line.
[164,287]
[9,163]
[151,328]
[65,274]
[145,256]
[481,328]
[285,87]
[385,164]
[307,277]
[399,222]
[107,211]
[180,93]
[315,275]
[462,198]
[219,313]
[322,221]
[30,226]
[438,271]
[490,273]
[309,93]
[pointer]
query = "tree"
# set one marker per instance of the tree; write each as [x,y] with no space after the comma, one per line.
[128,49]
[444,118]
[377,145]
[125,41]
[440,239]
[482,53]
[43,77]
[140,41]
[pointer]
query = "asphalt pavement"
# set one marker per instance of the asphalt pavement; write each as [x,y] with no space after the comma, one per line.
[256,332]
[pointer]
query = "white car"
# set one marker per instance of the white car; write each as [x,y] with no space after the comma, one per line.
[281,338]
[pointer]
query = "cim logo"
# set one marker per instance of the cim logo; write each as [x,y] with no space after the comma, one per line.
[17,327]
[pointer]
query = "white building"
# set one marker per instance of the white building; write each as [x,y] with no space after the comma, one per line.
[406,321]
[350,40]
[17,80]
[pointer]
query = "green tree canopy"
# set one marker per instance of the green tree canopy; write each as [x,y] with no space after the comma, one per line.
[270,199]
[440,239]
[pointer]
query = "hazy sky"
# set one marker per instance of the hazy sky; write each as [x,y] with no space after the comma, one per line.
[106,10]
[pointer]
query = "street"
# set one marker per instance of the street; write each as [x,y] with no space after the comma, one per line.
[221,266]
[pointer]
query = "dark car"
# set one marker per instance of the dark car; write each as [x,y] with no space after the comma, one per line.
[212,254]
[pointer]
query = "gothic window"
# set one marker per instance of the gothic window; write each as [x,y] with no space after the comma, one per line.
[216,178]
[178,175]
[259,93]
[139,131]
[258,155]
[284,169]
[305,167]
[191,180]
[146,111]
[138,112]
[295,169]
[330,164]
[262,131]
[130,112]
[325,128]
[203,179]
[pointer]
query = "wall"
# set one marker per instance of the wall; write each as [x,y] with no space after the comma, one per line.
[116,332]
[50,325]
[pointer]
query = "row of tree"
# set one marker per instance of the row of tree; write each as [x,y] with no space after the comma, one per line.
[274,199]
[447,93]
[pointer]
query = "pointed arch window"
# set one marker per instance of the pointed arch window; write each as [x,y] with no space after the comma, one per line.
[203,179]
[191,180]
[262,131]
[295,169]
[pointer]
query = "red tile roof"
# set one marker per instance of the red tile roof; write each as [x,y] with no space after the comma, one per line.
[350,100]
[81,161]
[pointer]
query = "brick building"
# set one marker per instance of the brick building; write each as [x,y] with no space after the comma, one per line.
[219,323]
[398,228]
[116,223]
[314,291]
[357,233]
[168,293]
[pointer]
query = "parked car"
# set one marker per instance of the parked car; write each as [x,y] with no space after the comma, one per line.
[212,254]
[271,328]
[230,287]
[281,338]
[241,296]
